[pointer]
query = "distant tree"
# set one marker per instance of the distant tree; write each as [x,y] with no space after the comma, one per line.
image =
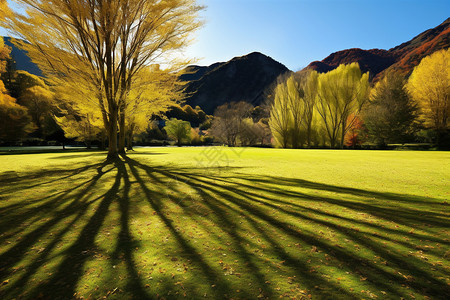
[38,99]
[249,134]
[85,129]
[201,115]
[227,123]
[178,130]
[280,111]
[186,113]
[207,123]
[254,133]
[4,55]
[355,136]
[191,115]
[14,119]
[390,115]
[292,111]
[429,85]
[309,82]
[342,92]
[15,122]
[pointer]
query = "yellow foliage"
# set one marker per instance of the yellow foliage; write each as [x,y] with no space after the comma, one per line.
[4,55]
[292,116]
[341,93]
[102,47]
[429,86]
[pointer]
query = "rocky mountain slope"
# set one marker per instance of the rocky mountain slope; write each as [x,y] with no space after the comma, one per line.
[243,78]
[402,58]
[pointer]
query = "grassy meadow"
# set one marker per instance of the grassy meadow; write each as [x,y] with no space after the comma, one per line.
[234,223]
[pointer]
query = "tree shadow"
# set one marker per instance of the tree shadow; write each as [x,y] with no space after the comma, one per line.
[220,234]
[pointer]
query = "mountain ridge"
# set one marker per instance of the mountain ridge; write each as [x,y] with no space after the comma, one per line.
[402,58]
[243,78]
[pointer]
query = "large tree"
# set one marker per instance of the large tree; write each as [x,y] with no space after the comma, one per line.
[390,116]
[429,86]
[293,108]
[104,44]
[280,121]
[341,94]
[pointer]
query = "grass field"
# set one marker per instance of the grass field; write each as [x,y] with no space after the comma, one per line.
[226,223]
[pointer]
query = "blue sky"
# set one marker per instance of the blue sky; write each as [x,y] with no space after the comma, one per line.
[297,32]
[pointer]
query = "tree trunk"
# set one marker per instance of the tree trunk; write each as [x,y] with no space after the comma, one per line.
[121,147]
[308,135]
[112,138]
[130,139]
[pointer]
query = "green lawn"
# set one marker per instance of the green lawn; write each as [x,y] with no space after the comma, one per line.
[226,223]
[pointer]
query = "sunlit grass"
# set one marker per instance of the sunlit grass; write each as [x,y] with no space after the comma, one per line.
[221,222]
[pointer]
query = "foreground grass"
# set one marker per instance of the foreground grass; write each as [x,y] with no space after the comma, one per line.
[225,223]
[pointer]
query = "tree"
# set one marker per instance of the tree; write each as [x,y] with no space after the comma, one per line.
[228,119]
[280,113]
[341,92]
[178,130]
[390,115]
[14,120]
[292,111]
[38,99]
[309,82]
[355,136]
[84,129]
[429,86]
[105,44]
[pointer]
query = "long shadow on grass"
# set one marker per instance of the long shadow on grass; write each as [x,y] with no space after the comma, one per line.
[266,236]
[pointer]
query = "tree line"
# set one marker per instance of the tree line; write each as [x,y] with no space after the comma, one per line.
[339,108]
[342,108]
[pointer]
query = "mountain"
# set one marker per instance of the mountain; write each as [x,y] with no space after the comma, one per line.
[243,78]
[402,58]
[21,60]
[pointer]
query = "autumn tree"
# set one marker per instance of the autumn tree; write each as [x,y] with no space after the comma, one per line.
[356,135]
[280,112]
[293,109]
[14,119]
[85,129]
[310,87]
[37,97]
[178,130]
[390,115]
[429,85]
[106,44]
[341,93]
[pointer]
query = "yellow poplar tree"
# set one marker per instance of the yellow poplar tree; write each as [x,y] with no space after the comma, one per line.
[105,42]
[341,94]
[280,120]
[429,85]
[293,109]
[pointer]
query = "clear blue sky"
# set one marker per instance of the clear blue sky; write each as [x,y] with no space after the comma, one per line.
[297,32]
